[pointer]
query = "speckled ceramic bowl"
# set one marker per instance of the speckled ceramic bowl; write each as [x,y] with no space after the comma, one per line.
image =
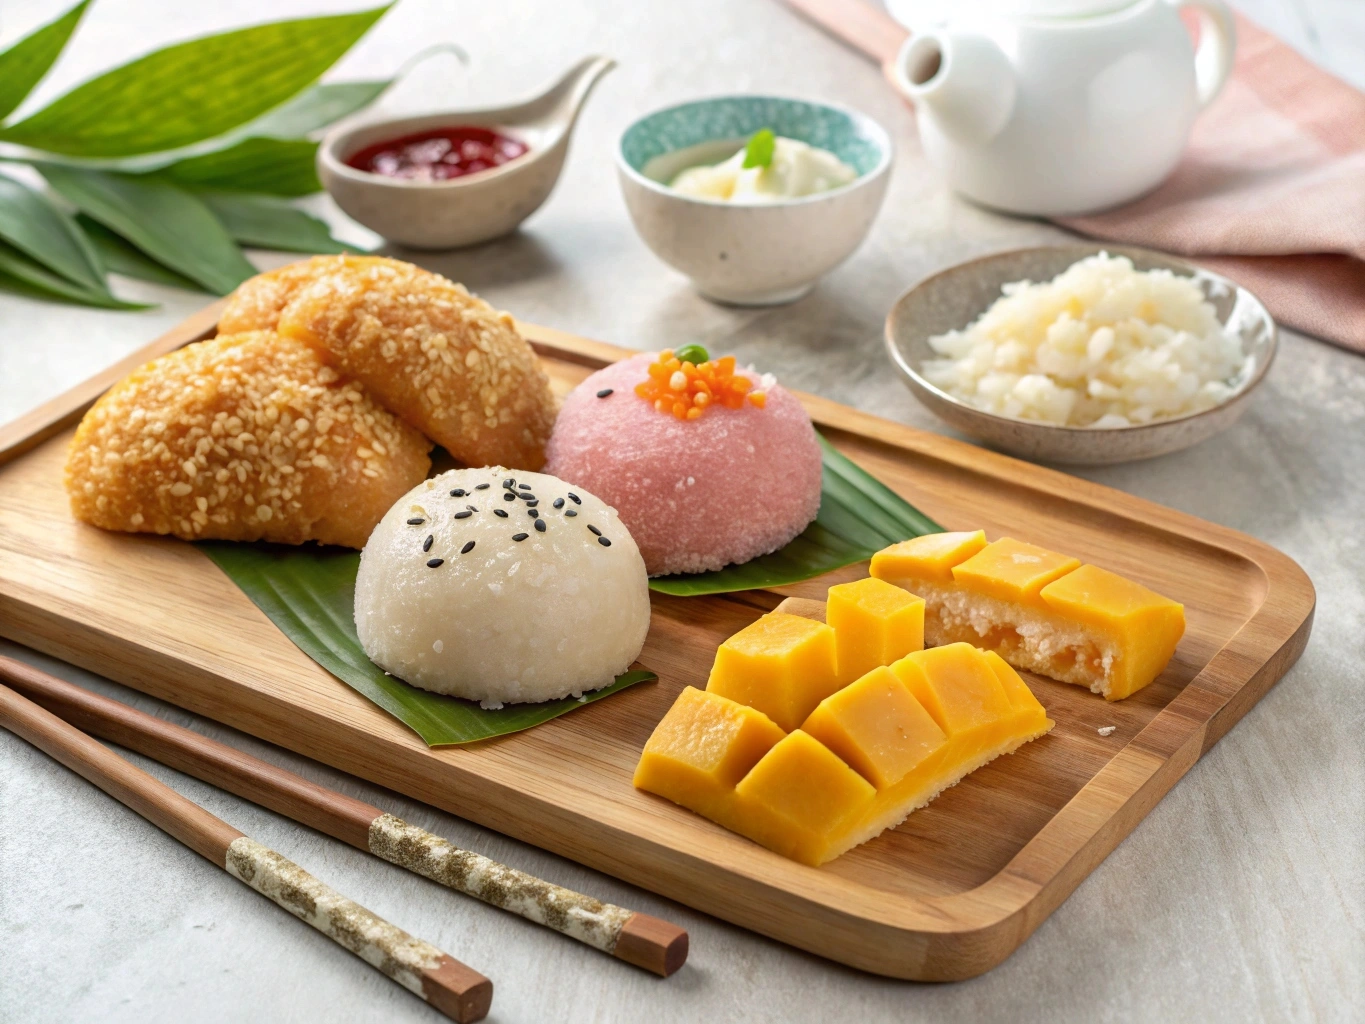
[751,255]
[955,297]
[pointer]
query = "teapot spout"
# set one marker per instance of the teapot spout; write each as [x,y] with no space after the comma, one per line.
[963,81]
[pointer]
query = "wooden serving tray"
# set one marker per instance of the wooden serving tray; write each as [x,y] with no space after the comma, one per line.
[947,895]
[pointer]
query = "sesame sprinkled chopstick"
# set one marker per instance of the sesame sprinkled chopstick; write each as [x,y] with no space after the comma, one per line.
[639,939]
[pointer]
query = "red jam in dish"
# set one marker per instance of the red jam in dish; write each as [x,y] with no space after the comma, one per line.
[439,154]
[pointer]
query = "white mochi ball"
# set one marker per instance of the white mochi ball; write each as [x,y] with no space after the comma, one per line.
[461,592]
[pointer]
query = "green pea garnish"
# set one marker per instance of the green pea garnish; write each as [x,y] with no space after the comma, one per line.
[694,354]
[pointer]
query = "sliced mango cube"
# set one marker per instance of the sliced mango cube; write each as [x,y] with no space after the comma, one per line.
[956,685]
[782,665]
[877,728]
[1144,626]
[930,557]
[798,796]
[874,624]
[1012,570]
[702,748]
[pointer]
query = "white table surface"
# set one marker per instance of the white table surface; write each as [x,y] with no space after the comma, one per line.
[1239,898]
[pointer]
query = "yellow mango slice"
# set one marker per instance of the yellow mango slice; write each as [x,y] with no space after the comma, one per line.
[702,748]
[1144,627]
[1011,570]
[1021,698]
[782,665]
[874,624]
[930,557]
[877,727]
[956,685]
[797,797]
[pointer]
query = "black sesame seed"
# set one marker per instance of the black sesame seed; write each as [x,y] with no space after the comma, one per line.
[463,515]
[540,525]
[533,503]
[416,521]
[468,547]
[604,392]
[457,493]
[426,544]
[508,496]
[570,512]
[482,487]
[575,498]
[526,496]
[500,513]
[604,542]
[559,503]
[509,482]
[524,487]
[471,508]
[594,530]
[533,513]
[520,536]
[432,563]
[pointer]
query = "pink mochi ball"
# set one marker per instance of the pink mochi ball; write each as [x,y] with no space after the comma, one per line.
[695,494]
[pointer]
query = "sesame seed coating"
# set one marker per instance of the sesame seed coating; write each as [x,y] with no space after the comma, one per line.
[456,367]
[244,437]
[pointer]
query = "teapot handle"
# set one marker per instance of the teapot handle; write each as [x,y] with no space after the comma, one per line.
[1217,43]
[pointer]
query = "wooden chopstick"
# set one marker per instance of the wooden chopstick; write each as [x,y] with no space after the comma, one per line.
[459,992]
[636,938]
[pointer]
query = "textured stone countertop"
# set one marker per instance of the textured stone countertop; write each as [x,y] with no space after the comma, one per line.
[1240,897]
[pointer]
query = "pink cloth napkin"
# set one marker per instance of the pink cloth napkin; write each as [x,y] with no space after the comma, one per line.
[1270,192]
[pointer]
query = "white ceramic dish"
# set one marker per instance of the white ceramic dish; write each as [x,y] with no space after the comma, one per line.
[953,298]
[470,209]
[751,255]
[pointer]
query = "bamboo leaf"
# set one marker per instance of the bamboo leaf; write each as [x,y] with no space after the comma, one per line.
[316,107]
[271,223]
[309,593]
[121,257]
[38,279]
[25,63]
[281,167]
[169,224]
[858,517]
[193,90]
[36,227]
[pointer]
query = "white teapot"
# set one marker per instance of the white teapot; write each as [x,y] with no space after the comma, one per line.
[1055,107]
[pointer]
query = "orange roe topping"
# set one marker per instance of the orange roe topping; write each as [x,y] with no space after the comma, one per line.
[686,390]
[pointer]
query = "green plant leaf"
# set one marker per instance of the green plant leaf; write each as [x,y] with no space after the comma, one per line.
[282,167]
[169,224]
[316,107]
[121,257]
[309,593]
[49,235]
[193,90]
[271,223]
[25,63]
[859,515]
[38,279]
[761,146]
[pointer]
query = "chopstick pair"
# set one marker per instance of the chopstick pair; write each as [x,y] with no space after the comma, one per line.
[458,991]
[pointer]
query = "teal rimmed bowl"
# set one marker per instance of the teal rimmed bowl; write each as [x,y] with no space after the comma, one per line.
[751,254]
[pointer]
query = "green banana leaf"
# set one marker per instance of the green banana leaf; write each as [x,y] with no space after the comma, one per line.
[193,90]
[858,517]
[25,63]
[309,593]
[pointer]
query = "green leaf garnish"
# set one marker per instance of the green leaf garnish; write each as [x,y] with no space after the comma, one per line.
[694,354]
[169,224]
[34,278]
[760,148]
[25,63]
[309,593]
[859,515]
[281,167]
[35,226]
[193,90]
[121,257]
[271,223]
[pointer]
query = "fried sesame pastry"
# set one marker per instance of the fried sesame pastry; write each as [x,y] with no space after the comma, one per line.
[444,360]
[257,303]
[244,437]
